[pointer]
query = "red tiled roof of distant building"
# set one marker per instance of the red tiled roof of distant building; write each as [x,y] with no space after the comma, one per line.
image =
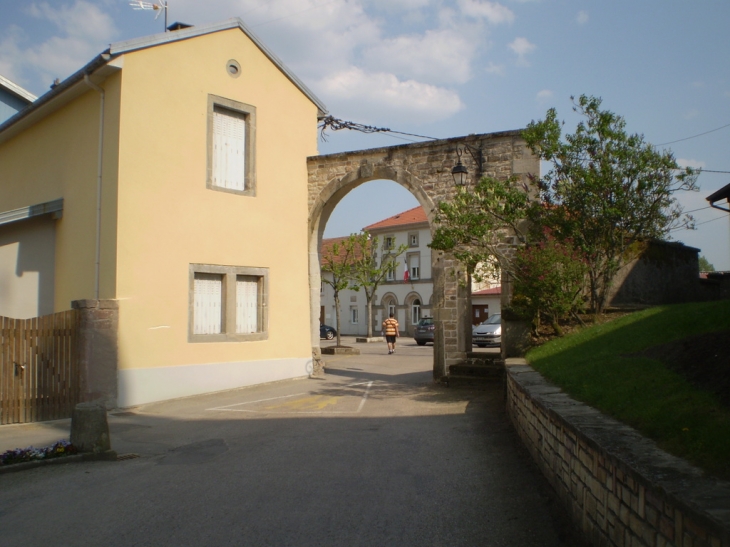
[488,292]
[412,216]
[327,247]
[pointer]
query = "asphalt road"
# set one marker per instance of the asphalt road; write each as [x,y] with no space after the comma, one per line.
[374,454]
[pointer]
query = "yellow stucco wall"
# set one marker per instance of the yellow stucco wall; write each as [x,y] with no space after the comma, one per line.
[58,158]
[168,219]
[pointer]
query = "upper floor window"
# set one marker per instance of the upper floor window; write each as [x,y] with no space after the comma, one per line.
[389,243]
[413,240]
[231,141]
[414,265]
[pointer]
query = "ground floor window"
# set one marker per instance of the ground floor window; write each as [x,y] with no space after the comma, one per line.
[227,303]
[354,315]
[416,311]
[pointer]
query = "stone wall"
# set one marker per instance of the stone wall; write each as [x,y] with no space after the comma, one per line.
[664,273]
[620,489]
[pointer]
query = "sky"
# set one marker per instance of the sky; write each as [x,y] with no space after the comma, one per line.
[447,68]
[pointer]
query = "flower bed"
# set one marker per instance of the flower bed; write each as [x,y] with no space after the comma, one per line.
[20,455]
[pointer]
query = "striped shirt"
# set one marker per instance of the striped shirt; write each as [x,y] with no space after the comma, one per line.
[390,326]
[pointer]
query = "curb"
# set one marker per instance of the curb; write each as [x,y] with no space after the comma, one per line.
[109,455]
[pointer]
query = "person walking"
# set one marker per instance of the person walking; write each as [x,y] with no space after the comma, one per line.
[390,327]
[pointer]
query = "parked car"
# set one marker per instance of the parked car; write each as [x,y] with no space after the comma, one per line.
[489,332]
[325,331]
[424,331]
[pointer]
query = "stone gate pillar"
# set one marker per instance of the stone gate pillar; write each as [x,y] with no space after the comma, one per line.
[98,350]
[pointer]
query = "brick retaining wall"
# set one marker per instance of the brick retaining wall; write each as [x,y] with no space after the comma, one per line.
[620,488]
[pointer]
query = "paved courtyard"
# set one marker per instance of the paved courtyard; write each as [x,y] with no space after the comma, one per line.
[372,454]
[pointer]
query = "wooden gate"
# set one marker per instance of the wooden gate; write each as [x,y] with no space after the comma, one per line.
[39,372]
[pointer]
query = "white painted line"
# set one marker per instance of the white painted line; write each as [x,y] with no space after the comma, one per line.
[228,408]
[259,401]
[364,397]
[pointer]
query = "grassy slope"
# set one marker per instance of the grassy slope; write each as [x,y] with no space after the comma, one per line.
[596,366]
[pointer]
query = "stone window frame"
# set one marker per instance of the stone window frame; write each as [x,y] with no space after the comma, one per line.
[386,246]
[249,112]
[411,236]
[228,323]
[390,276]
[416,254]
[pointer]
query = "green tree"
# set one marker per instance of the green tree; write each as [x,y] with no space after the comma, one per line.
[337,261]
[606,190]
[366,273]
[705,265]
[549,279]
[482,226]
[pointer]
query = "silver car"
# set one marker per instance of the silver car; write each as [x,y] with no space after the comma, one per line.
[489,332]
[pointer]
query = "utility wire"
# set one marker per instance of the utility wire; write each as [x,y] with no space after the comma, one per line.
[694,136]
[335,124]
[698,224]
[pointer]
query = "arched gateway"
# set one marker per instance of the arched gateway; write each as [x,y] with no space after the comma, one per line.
[424,168]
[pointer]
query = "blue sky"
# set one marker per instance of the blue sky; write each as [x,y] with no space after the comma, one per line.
[449,68]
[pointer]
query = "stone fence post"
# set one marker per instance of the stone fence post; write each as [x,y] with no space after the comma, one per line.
[98,350]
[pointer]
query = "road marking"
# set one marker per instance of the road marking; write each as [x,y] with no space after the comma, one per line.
[313,404]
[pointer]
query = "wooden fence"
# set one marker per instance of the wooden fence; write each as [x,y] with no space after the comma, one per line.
[39,372]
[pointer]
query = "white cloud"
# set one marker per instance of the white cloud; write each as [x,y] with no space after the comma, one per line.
[84,30]
[392,6]
[691,114]
[522,46]
[360,94]
[494,12]
[582,17]
[682,162]
[494,69]
[544,95]
[438,56]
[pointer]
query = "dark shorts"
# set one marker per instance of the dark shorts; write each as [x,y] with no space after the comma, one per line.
[390,339]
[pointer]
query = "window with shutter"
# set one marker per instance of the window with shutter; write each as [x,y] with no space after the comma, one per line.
[208,303]
[227,303]
[229,149]
[247,304]
[415,264]
[231,142]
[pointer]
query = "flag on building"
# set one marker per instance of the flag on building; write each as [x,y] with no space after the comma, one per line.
[406,274]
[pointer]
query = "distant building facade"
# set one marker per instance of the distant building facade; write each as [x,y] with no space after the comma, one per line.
[408,292]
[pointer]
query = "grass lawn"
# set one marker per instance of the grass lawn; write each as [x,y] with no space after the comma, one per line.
[626,369]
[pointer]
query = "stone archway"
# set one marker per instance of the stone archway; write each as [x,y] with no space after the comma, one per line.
[424,169]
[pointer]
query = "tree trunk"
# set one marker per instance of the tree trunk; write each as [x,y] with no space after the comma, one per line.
[370,316]
[337,316]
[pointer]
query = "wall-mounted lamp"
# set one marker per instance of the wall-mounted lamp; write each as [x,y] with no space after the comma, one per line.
[459,171]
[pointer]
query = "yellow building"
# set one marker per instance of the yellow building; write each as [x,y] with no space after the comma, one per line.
[169,175]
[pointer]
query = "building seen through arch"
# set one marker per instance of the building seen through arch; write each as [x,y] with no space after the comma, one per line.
[408,292]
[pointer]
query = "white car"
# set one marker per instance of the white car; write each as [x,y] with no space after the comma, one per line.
[488,333]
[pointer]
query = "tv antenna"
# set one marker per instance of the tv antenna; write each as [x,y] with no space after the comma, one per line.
[160,6]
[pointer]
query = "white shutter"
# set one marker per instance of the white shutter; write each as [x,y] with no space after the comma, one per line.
[415,263]
[229,149]
[207,303]
[247,305]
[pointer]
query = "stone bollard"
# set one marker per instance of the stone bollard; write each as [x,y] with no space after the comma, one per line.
[89,428]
